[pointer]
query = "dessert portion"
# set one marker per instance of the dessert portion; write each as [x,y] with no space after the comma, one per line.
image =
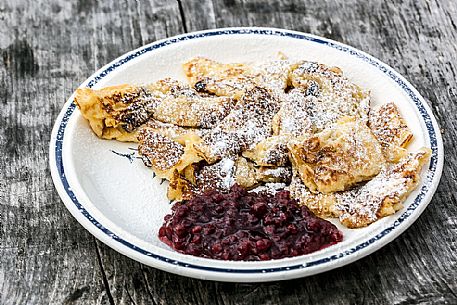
[337,158]
[234,79]
[236,128]
[364,204]
[242,225]
[247,124]
[384,194]
[391,131]
[119,112]
[116,112]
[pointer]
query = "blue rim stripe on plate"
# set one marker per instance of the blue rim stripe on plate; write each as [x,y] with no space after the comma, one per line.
[380,66]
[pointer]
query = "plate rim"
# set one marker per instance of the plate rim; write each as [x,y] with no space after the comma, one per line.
[407,218]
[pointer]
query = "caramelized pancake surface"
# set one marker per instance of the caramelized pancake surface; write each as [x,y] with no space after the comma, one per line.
[337,158]
[391,130]
[383,195]
[115,112]
[118,112]
[380,197]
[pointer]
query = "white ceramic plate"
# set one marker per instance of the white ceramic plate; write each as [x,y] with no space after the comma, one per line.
[118,200]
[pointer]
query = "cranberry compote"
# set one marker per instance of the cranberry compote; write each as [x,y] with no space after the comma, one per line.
[243,225]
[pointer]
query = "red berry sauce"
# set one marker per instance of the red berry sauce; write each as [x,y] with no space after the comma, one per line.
[248,226]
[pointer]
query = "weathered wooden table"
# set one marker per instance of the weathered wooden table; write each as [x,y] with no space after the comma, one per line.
[48,48]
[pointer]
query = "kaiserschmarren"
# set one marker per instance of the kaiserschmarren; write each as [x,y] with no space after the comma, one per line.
[296,125]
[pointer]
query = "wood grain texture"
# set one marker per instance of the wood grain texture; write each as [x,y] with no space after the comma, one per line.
[49,47]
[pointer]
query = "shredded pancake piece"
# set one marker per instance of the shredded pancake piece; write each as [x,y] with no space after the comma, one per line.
[234,80]
[281,174]
[391,130]
[384,194]
[295,117]
[272,75]
[323,205]
[174,132]
[193,110]
[247,124]
[159,152]
[210,76]
[115,112]
[271,151]
[337,158]
[336,95]
[321,80]
[166,150]
[118,112]
[246,174]
[221,176]
[201,177]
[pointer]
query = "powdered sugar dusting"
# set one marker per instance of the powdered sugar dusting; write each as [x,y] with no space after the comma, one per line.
[384,194]
[227,171]
[218,176]
[270,188]
[247,124]
[158,151]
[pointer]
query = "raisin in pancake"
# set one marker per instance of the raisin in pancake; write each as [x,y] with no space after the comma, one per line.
[384,194]
[337,158]
[116,112]
[210,76]
[234,79]
[391,130]
[190,109]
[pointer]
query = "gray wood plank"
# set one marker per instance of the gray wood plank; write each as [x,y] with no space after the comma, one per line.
[49,47]
[45,256]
